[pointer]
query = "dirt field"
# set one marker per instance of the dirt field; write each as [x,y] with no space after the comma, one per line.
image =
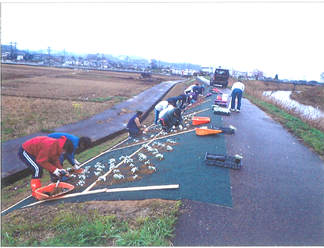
[37,99]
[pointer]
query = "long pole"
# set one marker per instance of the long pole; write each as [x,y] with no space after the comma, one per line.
[105,190]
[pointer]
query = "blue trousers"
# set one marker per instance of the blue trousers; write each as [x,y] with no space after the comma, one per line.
[157,112]
[237,93]
[133,132]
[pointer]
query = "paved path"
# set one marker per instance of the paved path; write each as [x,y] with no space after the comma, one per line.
[277,195]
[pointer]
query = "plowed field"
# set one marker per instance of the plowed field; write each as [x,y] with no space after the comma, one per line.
[37,99]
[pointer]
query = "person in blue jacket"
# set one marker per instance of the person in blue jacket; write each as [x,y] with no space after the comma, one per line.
[82,143]
[134,126]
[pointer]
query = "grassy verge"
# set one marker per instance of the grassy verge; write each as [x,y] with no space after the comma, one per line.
[71,226]
[311,136]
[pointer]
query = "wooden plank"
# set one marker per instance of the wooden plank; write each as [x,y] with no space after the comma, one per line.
[15,204]
[105,190]
[172,186]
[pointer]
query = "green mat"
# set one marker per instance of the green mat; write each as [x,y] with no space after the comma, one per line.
[185,165]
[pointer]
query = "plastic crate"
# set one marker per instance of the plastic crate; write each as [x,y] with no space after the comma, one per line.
[222,161]
[221,103]
[226,130]
[221,112]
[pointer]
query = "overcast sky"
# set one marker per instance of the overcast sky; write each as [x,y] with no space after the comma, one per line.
[277,38]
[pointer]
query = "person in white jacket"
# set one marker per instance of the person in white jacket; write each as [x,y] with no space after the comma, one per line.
[159,107]
[237,92]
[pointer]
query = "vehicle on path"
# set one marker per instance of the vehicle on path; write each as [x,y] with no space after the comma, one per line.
[220,77]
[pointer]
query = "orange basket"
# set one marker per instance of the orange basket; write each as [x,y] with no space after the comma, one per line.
[41,192]
[206,131]
[200,120]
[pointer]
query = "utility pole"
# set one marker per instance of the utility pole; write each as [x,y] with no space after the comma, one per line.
[10,50]
[15,48]
[49,55]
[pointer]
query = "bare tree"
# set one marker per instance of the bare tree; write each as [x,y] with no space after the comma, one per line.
[257,74]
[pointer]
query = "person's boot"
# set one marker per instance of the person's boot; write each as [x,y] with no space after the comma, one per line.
[35,184]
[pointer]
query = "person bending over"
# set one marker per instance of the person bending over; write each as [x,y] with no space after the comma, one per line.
[82,143]
[171,118]
[41,153]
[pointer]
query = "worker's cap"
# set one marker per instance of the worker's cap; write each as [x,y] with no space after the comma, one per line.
[177,112]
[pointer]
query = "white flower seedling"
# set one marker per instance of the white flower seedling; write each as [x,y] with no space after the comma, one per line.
[232,127]
[118,176]
[148,162]
[134,169]
[116,171]
[135,176]
[102,178]
[152,168]
[83,177]
[112,160]
[169,148]
[237,156]
[142,157]
[159,156]
[171,141]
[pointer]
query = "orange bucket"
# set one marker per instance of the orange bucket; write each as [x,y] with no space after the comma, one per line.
[45,192]
[200,120]
[206,131]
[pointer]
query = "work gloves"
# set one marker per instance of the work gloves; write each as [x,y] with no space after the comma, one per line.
[59,172]
[76,165]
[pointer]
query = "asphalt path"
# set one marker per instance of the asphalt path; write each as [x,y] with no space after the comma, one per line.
[277,195]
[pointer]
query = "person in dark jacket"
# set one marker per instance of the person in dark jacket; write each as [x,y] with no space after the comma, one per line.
[184,98]
[174,100]
[134,126]
[43,152]
[199,89]
[171,118]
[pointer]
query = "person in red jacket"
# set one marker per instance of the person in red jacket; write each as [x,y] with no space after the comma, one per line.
[43,152]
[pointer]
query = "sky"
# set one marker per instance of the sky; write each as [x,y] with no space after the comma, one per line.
[284,38]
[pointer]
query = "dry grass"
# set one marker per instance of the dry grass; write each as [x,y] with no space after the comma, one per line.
[42,98]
